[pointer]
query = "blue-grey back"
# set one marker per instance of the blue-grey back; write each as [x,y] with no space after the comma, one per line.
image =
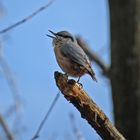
[75,53]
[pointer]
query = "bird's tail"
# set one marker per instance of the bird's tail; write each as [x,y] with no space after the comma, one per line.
[93,76]
[91,72]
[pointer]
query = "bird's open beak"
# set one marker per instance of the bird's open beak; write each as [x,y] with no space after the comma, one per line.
[52,33]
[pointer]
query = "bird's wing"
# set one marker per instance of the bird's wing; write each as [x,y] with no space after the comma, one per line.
[75,53]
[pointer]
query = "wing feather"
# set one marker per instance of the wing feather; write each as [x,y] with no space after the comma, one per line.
[75,54]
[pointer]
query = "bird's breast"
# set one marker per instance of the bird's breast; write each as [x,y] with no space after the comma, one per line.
[68,66]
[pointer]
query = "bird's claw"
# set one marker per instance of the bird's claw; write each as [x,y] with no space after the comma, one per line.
[80,85]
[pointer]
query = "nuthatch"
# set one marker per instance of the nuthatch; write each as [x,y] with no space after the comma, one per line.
[70,56]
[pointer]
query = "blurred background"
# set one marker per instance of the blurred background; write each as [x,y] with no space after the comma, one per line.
[27,66]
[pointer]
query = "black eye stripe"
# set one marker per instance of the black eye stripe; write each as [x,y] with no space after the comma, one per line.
[66,36]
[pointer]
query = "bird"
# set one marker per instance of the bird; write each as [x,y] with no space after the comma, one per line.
[70,56]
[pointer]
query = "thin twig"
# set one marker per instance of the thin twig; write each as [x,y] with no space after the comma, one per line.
[46,117]
[28,17]
[12,86]
[14,89]
[11,81]
[6,129]
[10,110]
[94,57]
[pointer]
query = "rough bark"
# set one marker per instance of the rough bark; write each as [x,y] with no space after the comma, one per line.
[125,65]
[74,93]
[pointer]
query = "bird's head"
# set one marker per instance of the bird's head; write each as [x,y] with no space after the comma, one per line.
[61,37]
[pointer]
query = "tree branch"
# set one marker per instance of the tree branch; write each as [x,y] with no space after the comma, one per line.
[6,128]
[73,92]
[92,55]
[27,18]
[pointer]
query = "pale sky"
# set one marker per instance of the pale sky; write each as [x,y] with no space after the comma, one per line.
[30,56]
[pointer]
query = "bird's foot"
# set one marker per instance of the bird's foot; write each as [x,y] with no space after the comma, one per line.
[66,75]
[80,85]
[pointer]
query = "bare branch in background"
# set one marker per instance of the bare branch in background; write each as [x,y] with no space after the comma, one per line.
[76,131]
[2,9]
[93,56]
[36,135]
[28,17]
[74,93]
[15,93]
[10,111]
[6,129]
[11,81]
